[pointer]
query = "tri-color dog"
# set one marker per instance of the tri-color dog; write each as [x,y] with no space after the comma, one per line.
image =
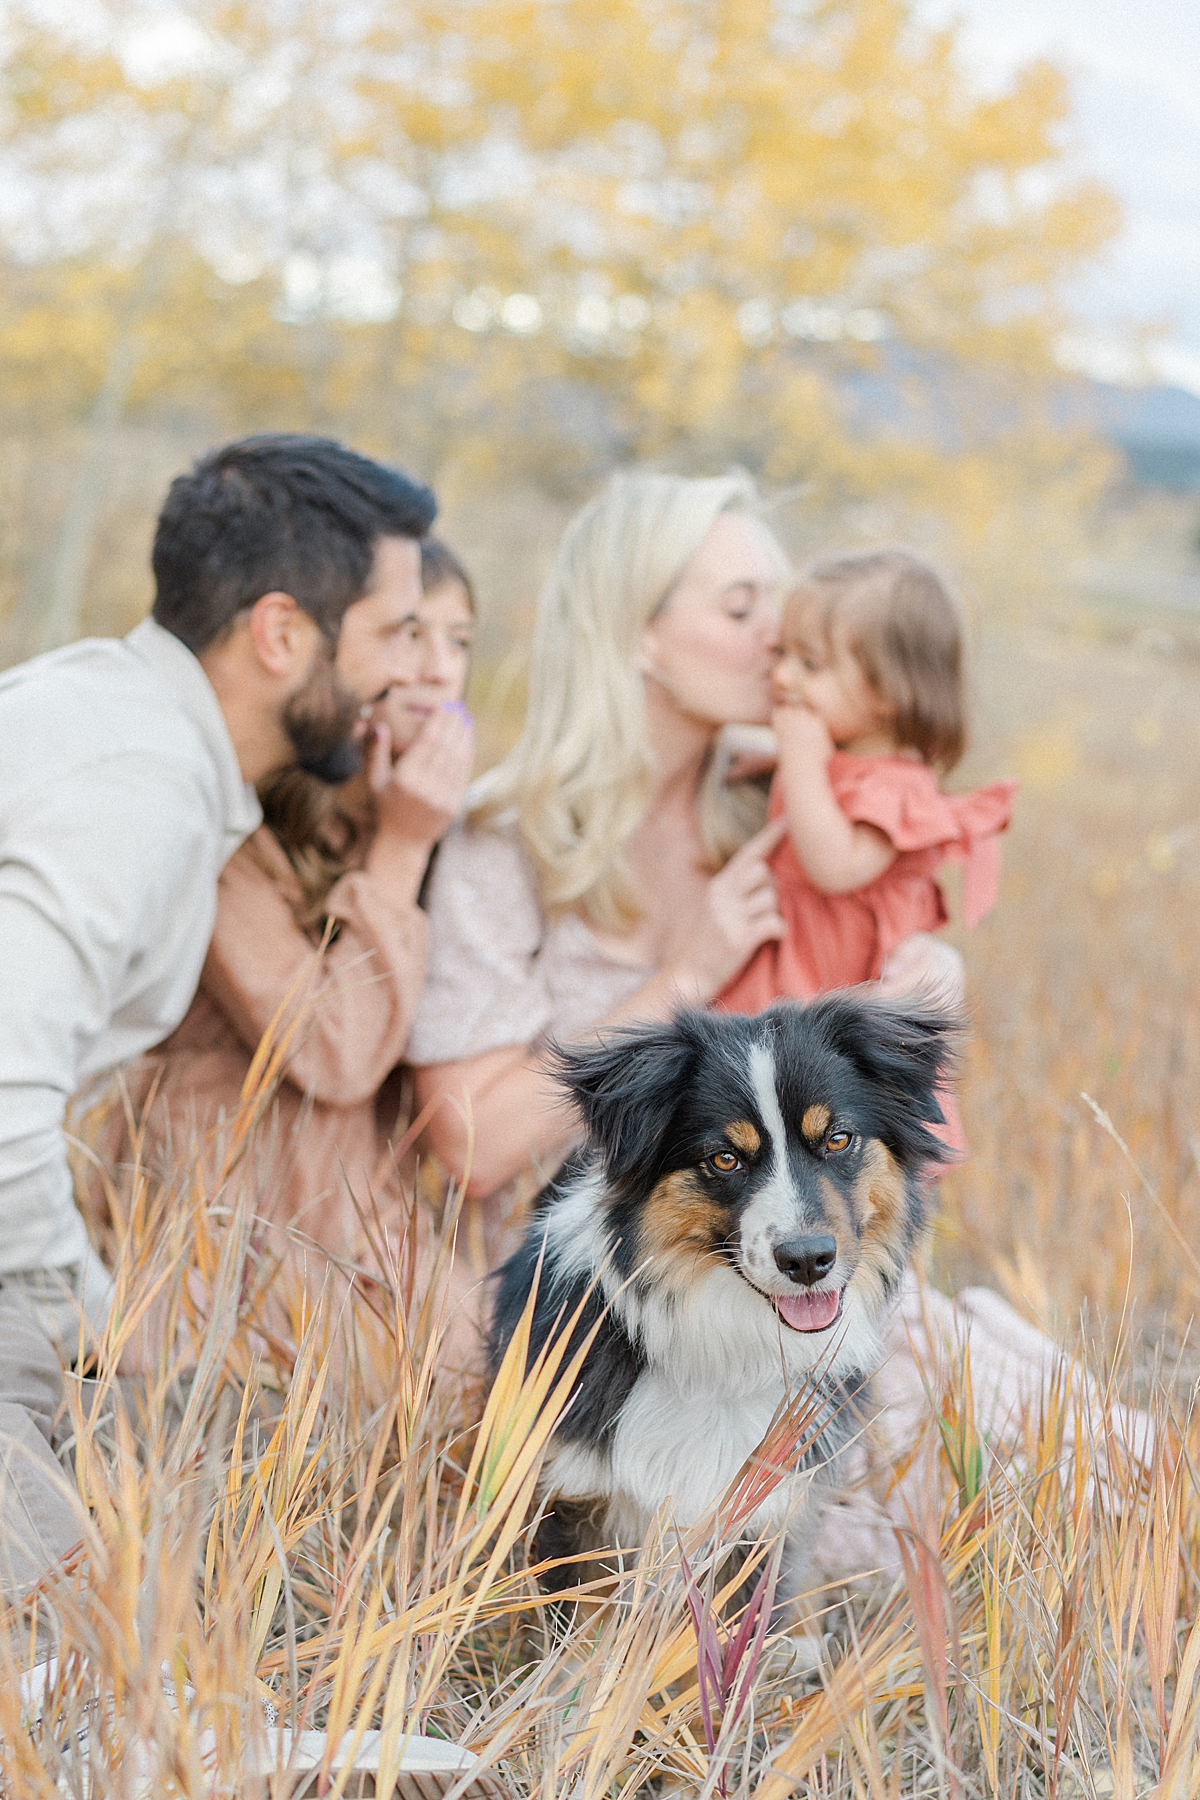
[738,1221]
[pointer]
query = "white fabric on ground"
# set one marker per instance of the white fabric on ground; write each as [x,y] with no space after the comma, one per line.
[1015,1369]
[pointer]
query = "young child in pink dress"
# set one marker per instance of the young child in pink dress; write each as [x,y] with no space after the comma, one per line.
[869,707]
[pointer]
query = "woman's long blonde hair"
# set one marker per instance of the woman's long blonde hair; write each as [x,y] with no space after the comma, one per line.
[578,782]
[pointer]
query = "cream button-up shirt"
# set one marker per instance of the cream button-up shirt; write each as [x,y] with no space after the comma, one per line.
[121,801]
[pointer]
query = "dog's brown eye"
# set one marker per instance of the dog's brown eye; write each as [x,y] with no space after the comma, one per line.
[724,1162]
[838,1140]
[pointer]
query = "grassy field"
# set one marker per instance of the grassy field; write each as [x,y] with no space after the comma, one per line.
[310,1519]
[1085,981]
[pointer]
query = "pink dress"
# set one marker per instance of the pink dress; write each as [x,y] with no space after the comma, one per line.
[839,940]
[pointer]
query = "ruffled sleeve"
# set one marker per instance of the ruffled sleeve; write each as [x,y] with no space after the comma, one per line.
[486,987]
[982,816]
[902,799]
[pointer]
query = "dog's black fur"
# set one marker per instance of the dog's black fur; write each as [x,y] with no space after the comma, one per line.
[737,1223]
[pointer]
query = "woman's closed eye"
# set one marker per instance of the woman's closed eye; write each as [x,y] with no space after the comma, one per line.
[740,601]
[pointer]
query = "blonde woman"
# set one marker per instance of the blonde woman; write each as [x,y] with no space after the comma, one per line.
[606,873]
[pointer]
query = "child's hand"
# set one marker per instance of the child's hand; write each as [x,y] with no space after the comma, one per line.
[838,854]
[421,792]
[802,734]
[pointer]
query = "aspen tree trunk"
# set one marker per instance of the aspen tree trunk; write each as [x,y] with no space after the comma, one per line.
[63,616]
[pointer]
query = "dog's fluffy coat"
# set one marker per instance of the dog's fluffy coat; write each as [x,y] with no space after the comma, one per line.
[738,1221]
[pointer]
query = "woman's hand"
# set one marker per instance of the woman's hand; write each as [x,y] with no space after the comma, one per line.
[418,796]
[739,912]
[745,752]
[927,967]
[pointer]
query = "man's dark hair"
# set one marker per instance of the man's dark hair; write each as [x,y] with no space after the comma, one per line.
[301,515]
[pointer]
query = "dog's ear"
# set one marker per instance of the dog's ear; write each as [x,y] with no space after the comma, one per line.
[904,1051]
[627,1088]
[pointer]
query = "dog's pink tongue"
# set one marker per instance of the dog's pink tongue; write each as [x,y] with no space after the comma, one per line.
[809,1312]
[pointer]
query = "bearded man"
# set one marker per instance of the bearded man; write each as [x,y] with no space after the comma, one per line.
[284,569]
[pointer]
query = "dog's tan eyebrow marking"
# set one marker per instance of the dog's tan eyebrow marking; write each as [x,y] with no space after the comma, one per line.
[816,1122]
[744,1137]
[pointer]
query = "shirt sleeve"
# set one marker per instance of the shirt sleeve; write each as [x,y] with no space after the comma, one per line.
[347,1007]
[485,988]
[902,799]
[982,816]
[95,882]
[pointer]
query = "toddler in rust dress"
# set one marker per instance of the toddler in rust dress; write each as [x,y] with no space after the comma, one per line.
[868,710]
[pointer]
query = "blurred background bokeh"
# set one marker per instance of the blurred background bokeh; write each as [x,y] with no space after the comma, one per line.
[512,243]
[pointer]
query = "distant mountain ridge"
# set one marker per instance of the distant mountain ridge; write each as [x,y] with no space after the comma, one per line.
[923,396]
[1158,428]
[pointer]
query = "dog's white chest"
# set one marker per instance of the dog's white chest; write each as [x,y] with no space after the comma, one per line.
[683,1448]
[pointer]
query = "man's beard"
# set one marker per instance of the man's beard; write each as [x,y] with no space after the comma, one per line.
[320,721]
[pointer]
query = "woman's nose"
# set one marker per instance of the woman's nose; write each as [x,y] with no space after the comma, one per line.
[769,631]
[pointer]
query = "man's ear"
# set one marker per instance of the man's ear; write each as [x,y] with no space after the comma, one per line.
[283,635]
[627,1090]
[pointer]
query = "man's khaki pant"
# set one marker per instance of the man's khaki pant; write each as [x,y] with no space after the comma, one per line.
[40,1314]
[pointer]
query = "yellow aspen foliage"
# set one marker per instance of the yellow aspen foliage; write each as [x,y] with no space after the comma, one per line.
[731,197]
[538,236]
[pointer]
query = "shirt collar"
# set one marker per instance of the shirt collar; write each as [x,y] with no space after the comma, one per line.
[171,658]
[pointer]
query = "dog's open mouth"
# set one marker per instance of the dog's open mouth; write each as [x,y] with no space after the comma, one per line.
[810,1311]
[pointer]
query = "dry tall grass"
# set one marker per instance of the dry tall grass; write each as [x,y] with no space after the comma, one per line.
[1086,980]
[291,1513]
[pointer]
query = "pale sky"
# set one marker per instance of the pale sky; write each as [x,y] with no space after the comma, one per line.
[1135,66]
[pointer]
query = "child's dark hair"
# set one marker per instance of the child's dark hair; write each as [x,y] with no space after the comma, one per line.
[905,632]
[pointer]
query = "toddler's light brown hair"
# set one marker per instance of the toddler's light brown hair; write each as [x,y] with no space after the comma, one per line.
[904,629]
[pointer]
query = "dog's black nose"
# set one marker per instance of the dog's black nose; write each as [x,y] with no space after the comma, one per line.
[806,1259]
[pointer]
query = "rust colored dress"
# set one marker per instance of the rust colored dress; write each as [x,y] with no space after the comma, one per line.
[348,1011]
[839,940]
